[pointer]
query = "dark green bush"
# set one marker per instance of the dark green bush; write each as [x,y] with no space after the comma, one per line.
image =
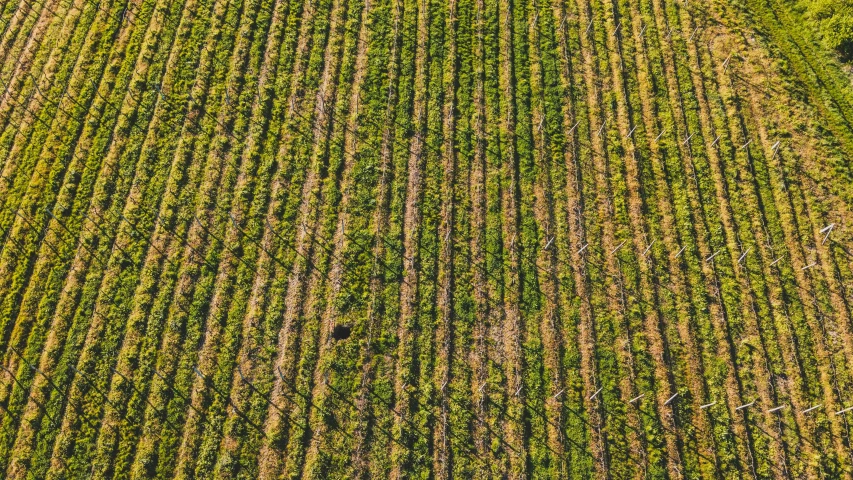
[831,21]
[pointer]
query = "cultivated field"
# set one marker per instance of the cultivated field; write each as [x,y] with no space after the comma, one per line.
[572,239]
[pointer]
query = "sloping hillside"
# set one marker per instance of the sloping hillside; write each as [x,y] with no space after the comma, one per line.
[423,239]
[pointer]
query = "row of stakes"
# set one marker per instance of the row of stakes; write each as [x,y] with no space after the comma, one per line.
[741,407]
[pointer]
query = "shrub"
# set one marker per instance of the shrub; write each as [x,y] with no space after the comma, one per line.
[832,22]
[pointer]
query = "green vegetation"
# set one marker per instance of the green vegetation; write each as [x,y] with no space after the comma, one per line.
[831,21]
[571,239]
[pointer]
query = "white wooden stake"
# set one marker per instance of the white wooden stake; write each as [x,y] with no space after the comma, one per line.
[828,230]
[743,255]
[812,408]
[776,409]
[842,412]
[596,393]
[574,127]
[713,255]
[601,128]
[707,405]
[638,397]
[618,247]
[583,248]
[746,405]
[680,251]
[670,399]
